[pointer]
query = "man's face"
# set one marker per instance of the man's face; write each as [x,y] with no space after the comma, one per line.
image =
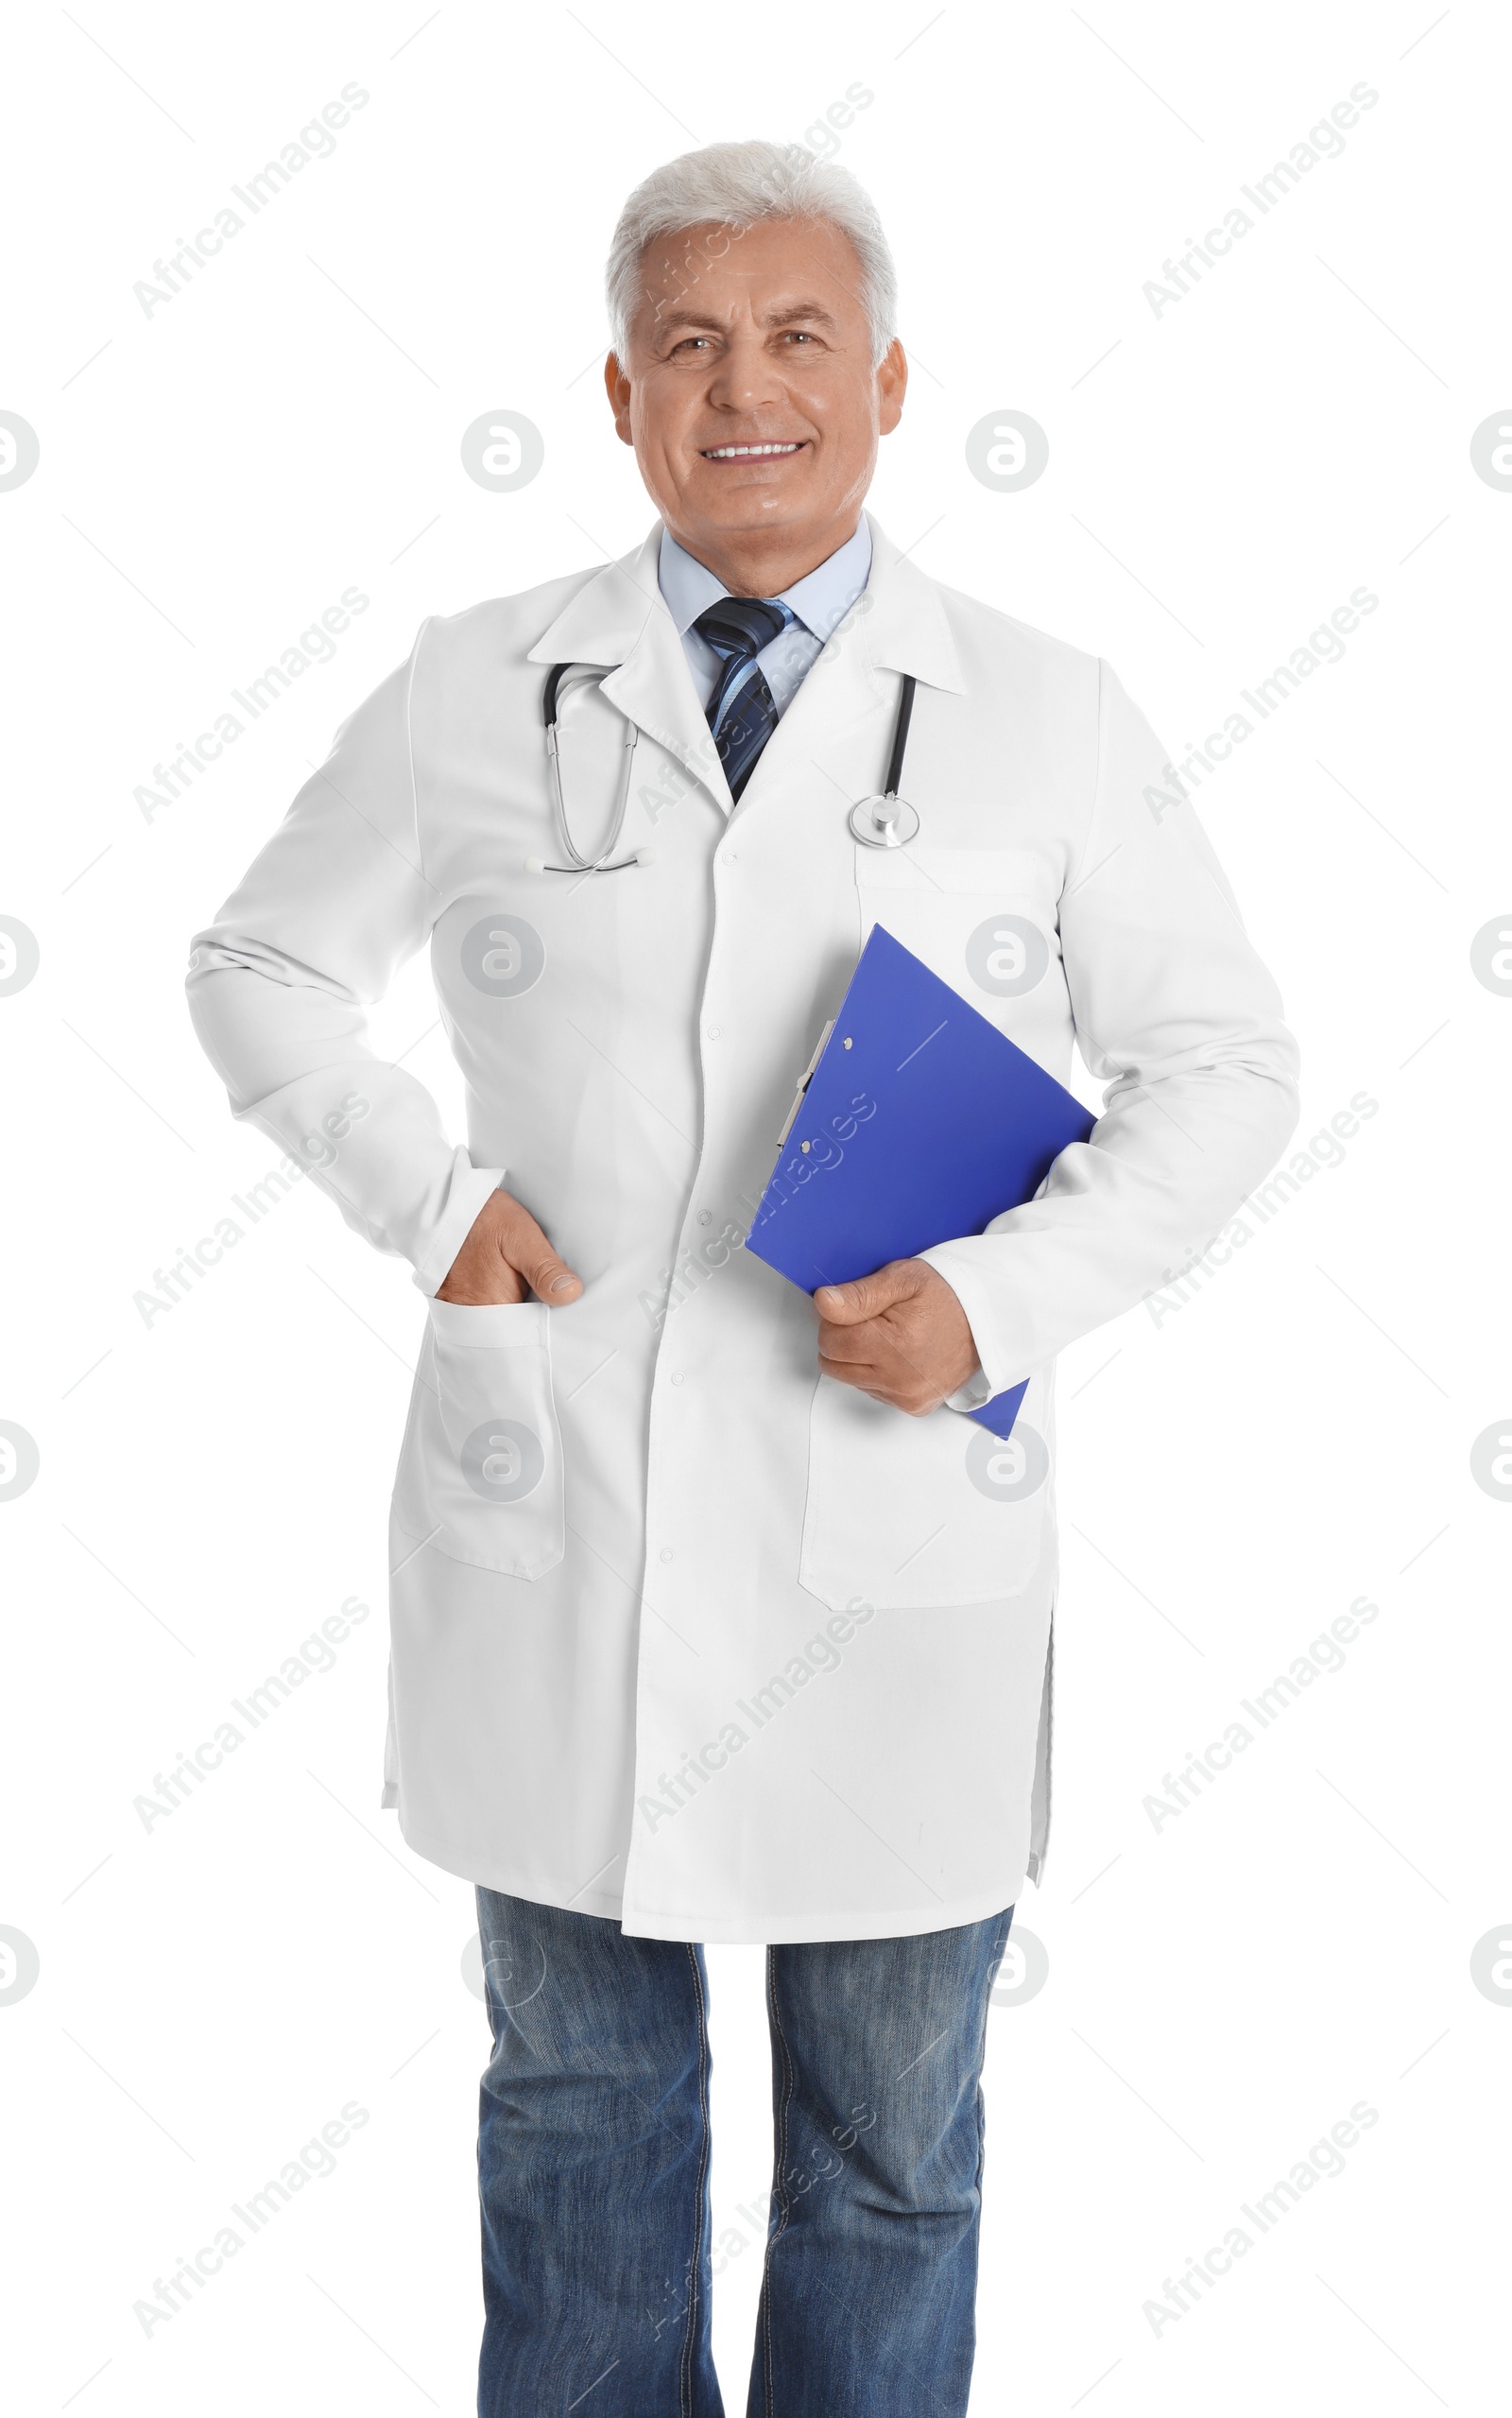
[747,339]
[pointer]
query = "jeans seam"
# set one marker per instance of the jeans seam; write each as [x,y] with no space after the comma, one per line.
[685,2377]
[779,2179]
[998,1948]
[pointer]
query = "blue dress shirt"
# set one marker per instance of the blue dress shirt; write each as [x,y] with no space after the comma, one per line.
[820,599]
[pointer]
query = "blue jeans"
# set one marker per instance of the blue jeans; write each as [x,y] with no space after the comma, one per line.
[593,2172]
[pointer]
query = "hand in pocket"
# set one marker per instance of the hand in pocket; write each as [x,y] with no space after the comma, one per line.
[507,1255]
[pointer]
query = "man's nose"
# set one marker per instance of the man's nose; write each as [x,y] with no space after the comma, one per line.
[746,377]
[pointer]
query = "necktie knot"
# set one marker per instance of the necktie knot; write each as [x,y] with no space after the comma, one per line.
[737,628]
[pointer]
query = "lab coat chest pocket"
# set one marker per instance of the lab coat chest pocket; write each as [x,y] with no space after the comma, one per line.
[480,1476]
[922,1513]
[984,919]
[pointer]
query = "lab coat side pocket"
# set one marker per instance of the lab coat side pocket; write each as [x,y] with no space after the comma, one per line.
[920,1512]
[481,1474]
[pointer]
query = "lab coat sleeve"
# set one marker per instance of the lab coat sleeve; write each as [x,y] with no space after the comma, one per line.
[1173,1007]
[335,903]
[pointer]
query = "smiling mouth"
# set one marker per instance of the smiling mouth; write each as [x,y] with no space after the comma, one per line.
[752,453]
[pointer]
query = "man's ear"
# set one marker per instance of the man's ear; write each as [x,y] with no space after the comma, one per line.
[892,385]
[617,387]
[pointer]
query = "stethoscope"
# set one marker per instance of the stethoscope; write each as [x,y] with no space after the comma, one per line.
[563,676]
[881,821]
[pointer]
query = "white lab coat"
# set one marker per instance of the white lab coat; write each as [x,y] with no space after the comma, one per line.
[681,1631]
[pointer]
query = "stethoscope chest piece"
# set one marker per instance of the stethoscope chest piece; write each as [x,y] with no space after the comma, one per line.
[886,821]
[883,822]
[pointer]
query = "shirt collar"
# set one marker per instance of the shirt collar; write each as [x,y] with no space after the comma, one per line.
[820,599]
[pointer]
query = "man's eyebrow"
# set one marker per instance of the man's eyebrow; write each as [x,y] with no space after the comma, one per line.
[786,316]
[679,318]
[791,311]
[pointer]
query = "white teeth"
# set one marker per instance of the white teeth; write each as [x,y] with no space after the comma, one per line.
[740,453]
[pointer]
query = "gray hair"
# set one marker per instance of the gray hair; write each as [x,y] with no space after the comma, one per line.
[736,183]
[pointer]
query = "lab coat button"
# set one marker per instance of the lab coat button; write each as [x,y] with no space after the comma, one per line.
[677,1376]
[714,1032]
[666,1553]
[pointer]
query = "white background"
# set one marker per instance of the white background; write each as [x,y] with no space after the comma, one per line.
[1232,1475]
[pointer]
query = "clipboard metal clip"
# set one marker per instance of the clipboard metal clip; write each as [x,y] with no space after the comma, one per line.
[804,1080]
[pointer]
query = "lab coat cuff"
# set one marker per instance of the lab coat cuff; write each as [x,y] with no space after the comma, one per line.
[997,1372]
[469,1189]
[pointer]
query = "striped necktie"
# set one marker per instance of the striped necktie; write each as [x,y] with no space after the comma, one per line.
[741,713]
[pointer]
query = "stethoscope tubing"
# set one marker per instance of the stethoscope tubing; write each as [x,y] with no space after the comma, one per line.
[557,680]
[900,736]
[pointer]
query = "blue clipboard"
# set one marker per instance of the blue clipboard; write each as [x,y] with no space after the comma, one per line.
[918,1122]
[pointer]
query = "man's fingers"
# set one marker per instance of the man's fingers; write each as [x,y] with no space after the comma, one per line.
[845,1343]
[854,1367]
[902,1386]
[527,1250]
[505,1252]
[876,1346]
[899,1335]
[872,1340]
[847,1304]
[552,1280]
[867,1295]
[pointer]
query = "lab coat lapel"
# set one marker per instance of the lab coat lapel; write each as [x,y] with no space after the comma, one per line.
[620,617]
[907,629]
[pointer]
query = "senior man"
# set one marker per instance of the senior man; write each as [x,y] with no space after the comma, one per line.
[709,1621]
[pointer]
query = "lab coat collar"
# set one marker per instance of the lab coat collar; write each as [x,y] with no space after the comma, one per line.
[903,619]
[620,617]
